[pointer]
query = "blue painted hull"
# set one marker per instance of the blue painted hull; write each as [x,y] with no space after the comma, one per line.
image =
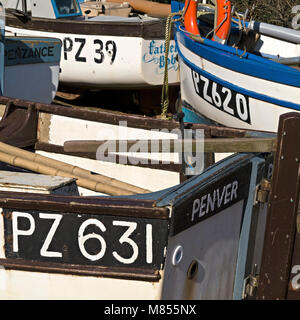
[232,87]
[31,68]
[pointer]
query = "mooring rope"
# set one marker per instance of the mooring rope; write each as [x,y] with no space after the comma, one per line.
[165,88]
[199,38]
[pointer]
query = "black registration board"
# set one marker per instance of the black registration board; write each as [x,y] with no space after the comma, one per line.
[85,239]
[211,199]
[222,98]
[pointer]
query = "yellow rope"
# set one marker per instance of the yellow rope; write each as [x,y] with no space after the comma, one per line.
[165,88]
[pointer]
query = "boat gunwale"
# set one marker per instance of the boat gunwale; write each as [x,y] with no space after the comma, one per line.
[126,273]
[240,58]
[97,205]
[152,29]
[259,96]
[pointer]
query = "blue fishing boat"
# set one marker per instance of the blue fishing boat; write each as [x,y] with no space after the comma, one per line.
[235,73]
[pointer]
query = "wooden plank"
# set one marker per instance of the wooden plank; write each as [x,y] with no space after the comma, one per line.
[281,217]
[83,205]
[119,159]
[210,145]
[128,273]
[153,29]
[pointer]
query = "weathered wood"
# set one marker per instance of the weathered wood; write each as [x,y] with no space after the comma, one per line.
[282,212]
[119,159]
[166,146]
[79,204]
[137,274]
[153,29]
[133,120]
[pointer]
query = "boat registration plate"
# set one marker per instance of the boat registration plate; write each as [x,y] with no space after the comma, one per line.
[222,98]
[85,239]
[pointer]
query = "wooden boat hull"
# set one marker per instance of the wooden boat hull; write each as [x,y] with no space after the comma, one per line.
[106,54]
[146,246]
[159,248]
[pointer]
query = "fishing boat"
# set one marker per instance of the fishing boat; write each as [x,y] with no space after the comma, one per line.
[29,66]
[133,239]
[101,51]
[233,72]
[78,215]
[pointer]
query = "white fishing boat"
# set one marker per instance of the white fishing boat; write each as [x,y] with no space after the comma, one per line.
[102,51]
[135,244]
[29,66]
[236,73]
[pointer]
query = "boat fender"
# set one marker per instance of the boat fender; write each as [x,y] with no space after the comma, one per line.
[222,19]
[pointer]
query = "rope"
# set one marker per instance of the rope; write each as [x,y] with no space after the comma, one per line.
[170,19]
[165,88]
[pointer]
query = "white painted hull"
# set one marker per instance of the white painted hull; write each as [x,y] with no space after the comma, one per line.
[261,115]
[24,285]
[61,129]
[275,47]
[214,277]
[31,285]
[137,63]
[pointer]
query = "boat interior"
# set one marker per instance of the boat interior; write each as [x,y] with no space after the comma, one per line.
[250,36]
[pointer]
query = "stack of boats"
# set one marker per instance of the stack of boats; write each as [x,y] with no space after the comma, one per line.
[102,199]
